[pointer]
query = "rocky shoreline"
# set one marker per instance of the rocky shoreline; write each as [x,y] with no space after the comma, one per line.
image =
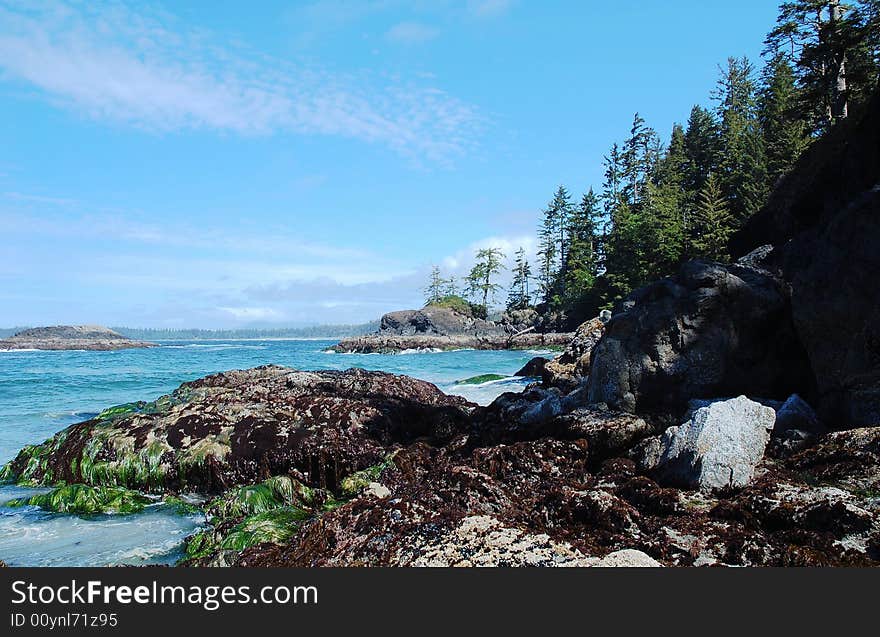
[363,468]
[434,328]
[71,337]
[391,344]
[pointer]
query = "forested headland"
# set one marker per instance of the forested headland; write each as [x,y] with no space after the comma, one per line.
[664,202]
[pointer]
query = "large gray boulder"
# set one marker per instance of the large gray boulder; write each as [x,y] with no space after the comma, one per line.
[718,448]
[711,330]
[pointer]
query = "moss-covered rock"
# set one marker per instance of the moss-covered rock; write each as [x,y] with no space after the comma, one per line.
[274,493]
[84,499]
[237,427]
[352,485]
[266,512]
[274,526]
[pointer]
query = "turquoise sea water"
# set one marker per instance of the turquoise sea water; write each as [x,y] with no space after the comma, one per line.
[43,392]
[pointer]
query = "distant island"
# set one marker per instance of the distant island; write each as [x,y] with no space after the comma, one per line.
[70,337]
[449,326]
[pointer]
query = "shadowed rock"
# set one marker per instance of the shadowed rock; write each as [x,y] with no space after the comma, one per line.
[712,330]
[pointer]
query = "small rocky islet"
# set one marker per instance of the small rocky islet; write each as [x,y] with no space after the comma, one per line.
[71,337]
[728,415]
[439,328]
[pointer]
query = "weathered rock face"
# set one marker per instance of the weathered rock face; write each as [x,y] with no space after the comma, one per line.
[796,414]
[436,321]
[837,311]
[822,218]
[718,448]
[573,365]
[245,426]
[712,330]
[67,337]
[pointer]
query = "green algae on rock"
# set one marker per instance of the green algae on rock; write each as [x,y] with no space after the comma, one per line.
[273,493]
[479,380]
[270,511]
[360,480]
[238,427]
[84,500]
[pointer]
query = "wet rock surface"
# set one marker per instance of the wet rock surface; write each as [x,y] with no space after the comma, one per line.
[240,427]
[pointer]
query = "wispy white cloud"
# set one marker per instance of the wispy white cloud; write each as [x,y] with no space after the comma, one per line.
[461,261]
[411,33]
[126,65]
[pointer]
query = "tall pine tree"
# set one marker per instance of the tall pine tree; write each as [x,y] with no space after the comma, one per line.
[782,126]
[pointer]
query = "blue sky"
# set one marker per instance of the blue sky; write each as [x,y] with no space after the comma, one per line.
[221,164]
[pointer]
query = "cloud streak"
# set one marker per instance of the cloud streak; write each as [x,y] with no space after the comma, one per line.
[142,69]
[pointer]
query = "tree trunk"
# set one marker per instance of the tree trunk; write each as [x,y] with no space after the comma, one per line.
[839,106]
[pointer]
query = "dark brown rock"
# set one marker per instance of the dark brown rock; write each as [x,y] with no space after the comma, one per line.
[568,370]
[822,219]
[712,330]
[241,427]
[534,368]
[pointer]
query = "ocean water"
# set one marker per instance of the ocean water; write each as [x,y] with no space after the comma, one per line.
[43,392]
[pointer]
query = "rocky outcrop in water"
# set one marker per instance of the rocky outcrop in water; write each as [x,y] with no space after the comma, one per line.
[442,328]
[240,427]
[71,337]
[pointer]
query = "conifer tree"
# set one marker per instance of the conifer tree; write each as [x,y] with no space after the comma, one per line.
[519,296]
[436,288]
[562,211]
[702,148]
[832,46]
[784,130]
[712,221]
[481,285]
[584,260]
[742,174]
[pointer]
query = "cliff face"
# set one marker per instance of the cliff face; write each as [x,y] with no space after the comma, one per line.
[824,222]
